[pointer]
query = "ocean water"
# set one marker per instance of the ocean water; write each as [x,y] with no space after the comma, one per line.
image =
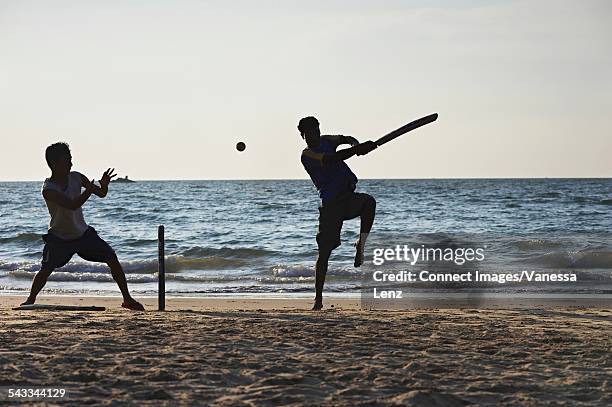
[258,237]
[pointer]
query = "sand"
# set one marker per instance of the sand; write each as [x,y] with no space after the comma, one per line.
[272,352]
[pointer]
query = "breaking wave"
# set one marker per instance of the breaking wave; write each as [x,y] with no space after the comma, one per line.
[587,259]
[23,238]
[174,263]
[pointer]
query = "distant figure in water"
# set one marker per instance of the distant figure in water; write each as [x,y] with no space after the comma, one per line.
[68,233]
[339,202]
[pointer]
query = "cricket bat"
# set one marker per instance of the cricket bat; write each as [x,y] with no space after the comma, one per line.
[405,129]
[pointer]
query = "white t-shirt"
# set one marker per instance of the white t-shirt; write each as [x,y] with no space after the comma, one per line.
[66,223]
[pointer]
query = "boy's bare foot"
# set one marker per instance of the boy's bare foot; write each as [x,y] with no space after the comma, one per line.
[133,305]
[28,302]
[359,253]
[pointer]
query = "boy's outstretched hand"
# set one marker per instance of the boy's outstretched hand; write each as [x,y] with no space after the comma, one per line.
[364,148]
[107,177]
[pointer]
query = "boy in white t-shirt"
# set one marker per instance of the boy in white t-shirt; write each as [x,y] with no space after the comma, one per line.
[68,233]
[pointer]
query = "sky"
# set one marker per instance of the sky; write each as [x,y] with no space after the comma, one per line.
[165,89]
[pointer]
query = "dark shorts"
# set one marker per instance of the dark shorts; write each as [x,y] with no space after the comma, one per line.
[57,252]
[332,216]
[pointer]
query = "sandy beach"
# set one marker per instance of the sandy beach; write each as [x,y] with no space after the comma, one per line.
[276,352]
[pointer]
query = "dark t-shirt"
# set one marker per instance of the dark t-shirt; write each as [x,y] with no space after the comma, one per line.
[332,178]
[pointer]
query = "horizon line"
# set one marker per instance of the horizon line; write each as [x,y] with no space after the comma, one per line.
[361,179]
